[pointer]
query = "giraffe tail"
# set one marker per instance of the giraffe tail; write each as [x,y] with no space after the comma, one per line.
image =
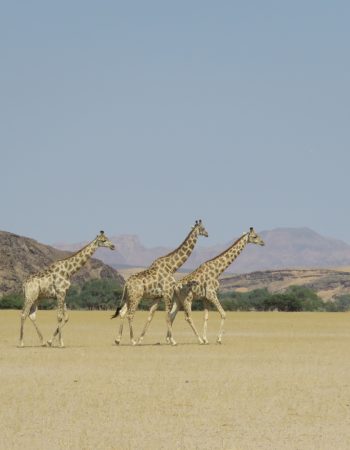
[116,314]
[120,306]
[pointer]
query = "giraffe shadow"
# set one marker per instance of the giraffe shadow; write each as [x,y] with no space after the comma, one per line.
[159,344]
[33,346]
[52,347]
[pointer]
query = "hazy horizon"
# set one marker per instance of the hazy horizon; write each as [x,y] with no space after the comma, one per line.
[140,118]
[202,242]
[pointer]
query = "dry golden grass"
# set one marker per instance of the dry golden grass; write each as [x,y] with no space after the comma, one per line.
[278,381]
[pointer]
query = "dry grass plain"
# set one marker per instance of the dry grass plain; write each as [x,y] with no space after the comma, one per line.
[278,381]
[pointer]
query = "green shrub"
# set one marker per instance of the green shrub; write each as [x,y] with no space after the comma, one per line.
[341,303]
[11,301]
[95,294]
[310,301]
[295,298]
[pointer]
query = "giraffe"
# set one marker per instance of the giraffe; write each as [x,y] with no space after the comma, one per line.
[206,276]
[156,283]
[54,283]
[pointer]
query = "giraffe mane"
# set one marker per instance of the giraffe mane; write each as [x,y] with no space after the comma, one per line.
[178,247]
[74,254]
[224,251]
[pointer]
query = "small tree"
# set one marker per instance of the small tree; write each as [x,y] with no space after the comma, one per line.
[342,303]
[310,301]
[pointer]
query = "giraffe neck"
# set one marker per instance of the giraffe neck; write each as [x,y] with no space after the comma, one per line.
[76,261]
[180,255]
[221,262]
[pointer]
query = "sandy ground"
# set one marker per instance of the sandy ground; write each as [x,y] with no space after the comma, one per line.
[278,381]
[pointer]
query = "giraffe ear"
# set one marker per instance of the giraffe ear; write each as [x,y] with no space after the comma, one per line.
[102,232]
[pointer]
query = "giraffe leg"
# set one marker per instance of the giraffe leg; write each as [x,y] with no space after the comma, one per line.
[173,312]
[32,316]
[132,306]
[60,317]
[24,315]
[187,308]
[122,314]
[205,323]
[31,294]
[212,298]
[21,342]
[167,301]
[130,319]
[149,320]
[65,320]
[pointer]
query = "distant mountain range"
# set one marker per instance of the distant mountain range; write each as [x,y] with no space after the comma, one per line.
[285,248]
[21,256]
[312,260]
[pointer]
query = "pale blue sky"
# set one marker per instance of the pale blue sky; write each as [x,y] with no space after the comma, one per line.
[139,117]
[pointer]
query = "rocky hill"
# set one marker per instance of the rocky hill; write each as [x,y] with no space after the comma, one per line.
[285,248]
[328,283]
[21,256]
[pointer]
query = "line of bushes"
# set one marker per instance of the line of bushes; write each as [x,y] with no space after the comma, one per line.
[106,294]
[295,298]
[94,294]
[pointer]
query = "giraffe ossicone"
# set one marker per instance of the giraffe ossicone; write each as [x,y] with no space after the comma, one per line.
[54,283]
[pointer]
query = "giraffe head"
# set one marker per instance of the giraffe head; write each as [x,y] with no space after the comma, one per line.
[199,227]
[103,241]
[254,238]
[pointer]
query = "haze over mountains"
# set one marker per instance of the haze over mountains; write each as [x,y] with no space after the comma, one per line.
[285,248]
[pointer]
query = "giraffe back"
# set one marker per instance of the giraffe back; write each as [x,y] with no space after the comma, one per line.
[47,283]
[151,283]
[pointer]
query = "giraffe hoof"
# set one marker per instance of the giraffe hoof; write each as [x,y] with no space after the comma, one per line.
[219,341]
[49,343]
[133,343]
[43,344]
[117,342]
